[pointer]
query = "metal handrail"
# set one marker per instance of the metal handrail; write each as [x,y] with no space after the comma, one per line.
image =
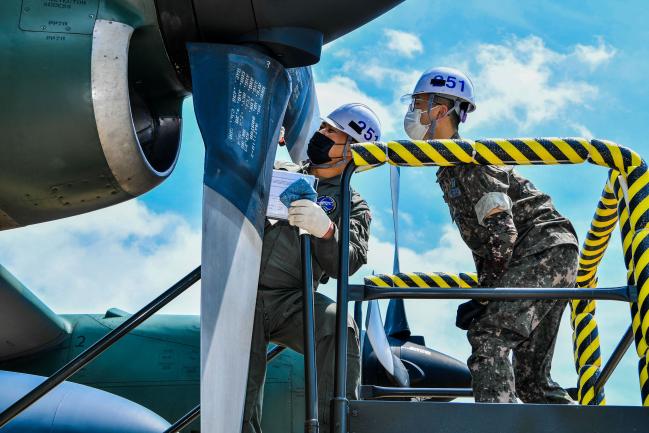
[196,411]
[614,360]
[375,392]
[274,352]
[359,292]
[187,419]
[340,404]
[99,347]
[346,292]
[311,422]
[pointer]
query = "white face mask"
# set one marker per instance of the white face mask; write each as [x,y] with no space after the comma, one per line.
[413,126]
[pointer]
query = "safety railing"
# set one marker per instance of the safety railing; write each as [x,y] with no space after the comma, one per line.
[625,198]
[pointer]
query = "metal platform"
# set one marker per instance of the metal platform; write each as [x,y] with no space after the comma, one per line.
[428,417]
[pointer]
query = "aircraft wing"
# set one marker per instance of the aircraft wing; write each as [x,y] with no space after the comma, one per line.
[27,325]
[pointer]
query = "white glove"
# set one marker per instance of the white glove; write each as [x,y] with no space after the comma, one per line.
[310,217]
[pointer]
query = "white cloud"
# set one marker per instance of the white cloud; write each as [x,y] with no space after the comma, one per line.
[525,83]
[343,53]
[595,56]
[448,254]
[521,82]
[582,130]
[339,90]
[403,43]
[122,256]
[396,81]
[407,218]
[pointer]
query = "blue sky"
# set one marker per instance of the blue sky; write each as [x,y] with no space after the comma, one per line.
[540,69]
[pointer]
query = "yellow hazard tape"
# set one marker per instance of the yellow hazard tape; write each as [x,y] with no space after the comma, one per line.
[498,151]
[587,378]
[586,344]
[423,280]
[627,238]
[644,380]
[369,154]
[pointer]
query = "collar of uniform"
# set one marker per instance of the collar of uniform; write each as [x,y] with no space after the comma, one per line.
[334,181]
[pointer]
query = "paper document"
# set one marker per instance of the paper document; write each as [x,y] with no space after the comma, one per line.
[281,180]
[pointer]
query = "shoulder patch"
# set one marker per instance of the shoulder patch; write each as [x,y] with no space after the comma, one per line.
[455,191]
[327,203]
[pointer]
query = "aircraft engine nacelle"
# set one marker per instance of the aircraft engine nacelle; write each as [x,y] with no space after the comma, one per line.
[90,114]
[92,90]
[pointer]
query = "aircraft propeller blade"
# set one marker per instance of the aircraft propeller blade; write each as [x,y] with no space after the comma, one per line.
[240,96]
[302,117]
[375,334]
[396,322]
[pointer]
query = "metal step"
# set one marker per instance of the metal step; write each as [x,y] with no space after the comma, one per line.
[373,392]
[428,417]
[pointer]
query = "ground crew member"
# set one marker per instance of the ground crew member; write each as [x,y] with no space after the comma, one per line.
[517,238]
[278,313]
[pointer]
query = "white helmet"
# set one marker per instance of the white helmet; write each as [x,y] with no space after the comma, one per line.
[447,82]
[356,120]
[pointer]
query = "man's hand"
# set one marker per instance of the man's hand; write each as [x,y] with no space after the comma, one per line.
[499,246]
[310,217]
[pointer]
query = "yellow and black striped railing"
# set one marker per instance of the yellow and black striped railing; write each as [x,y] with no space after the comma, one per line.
[585,337]
[627,234]
[625,199]
[519,151]
[423,280]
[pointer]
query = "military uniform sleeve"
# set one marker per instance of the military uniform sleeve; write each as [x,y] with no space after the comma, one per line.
[486,189]
[326,250]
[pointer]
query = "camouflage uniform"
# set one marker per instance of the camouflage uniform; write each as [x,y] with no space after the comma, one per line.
[529,245]
[278,313]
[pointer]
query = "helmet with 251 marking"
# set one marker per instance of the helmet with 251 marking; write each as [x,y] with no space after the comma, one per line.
[356,120]
[449,83]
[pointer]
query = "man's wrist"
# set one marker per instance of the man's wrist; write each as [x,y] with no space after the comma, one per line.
[330,231]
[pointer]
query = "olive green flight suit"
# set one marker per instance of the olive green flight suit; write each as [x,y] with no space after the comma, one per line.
[278,312]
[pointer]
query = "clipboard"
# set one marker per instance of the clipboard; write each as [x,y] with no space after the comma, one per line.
[280,181]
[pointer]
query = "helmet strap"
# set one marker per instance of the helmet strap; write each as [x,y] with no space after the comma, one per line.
[433,123]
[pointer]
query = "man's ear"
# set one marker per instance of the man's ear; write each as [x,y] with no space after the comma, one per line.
[442,112]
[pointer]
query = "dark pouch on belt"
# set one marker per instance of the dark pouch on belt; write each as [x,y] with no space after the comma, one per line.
[467,313]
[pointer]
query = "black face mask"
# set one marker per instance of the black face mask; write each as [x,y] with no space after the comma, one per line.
[318,149]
